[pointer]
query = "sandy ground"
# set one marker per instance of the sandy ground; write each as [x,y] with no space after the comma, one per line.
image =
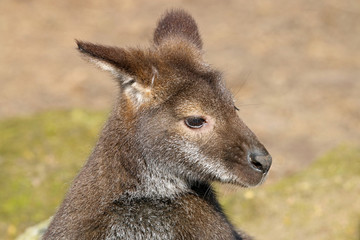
[293,66]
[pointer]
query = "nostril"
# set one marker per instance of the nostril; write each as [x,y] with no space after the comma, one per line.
[254,163]
[260,162]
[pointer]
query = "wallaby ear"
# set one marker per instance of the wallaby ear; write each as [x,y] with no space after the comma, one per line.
[111,59]
[123,65]
[177,23]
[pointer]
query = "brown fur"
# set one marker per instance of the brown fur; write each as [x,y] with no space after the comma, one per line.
[149,174]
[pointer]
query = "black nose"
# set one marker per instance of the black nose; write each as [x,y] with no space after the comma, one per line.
[260,161]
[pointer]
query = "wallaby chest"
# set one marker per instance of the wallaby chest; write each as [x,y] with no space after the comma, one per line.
[188,217]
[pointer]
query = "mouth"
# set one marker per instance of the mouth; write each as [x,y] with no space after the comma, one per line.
[251,184]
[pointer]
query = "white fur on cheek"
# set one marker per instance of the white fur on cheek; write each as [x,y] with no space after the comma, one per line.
[210,166]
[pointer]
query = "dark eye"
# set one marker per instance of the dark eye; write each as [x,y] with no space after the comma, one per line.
[195,122]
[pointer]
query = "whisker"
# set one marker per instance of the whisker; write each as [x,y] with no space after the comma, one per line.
[242,84]
[155,73]
[249,104]
[208,190]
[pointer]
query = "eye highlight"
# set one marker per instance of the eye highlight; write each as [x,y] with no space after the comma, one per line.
[195,122]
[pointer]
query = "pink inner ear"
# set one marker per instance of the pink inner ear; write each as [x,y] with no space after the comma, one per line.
[177,23]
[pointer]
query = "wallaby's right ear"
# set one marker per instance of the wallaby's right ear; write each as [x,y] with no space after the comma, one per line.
[135,76]
[111,59]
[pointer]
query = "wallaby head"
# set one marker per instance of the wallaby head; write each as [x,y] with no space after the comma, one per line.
[178,112]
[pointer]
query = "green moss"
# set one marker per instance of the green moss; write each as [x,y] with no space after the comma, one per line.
[39,156]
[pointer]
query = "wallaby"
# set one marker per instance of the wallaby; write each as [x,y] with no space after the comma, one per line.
[173,131]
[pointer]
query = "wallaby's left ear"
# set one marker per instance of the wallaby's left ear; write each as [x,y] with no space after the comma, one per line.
[133,75]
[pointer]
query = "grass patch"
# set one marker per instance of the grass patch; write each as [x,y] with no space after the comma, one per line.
[322,202]
[39,156]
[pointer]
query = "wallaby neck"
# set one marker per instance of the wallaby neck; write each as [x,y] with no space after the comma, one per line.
[118,151]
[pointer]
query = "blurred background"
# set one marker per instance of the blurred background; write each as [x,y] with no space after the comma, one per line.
[293,67]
